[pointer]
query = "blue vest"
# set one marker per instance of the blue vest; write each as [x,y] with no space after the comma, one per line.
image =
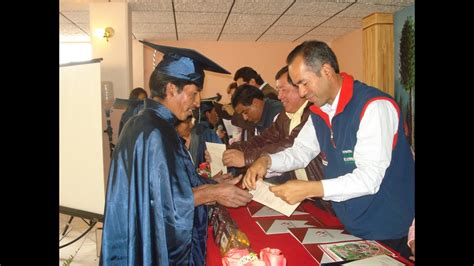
[388,213]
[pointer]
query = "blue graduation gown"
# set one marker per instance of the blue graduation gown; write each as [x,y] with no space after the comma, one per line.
[149,217]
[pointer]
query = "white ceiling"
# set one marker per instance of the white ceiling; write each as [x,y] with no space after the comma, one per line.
[232,20]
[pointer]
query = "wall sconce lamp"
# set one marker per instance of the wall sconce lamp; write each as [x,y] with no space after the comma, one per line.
[105,33]
[108,33]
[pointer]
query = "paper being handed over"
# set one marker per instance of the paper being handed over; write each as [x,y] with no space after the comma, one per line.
[215,151]
[263,195]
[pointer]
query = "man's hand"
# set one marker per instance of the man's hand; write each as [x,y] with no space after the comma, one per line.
[226,194]
[226,178]
[231,196]
[257,170]
[294,191]
[233,158]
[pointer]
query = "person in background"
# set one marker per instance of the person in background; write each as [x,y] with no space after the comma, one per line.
[247,75]
[226,111]
[226,114]
[183,128]
[368,165]
[250,102]
[203,131]
[156,203]
[279,136]
[136,98]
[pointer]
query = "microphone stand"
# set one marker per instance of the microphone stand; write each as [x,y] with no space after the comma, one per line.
[109,131]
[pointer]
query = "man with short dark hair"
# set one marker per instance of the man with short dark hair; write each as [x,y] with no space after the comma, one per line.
[247,75]
[249,102]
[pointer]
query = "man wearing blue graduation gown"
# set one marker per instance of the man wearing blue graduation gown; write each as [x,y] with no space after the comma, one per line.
[155,211]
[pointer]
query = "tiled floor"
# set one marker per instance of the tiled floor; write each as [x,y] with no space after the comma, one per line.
[84,250]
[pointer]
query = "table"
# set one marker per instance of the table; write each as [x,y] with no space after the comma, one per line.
[294,252]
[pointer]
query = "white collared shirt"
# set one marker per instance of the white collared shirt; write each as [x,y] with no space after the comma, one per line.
[372,152]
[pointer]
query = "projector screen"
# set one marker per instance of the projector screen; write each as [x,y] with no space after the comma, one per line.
[81,174]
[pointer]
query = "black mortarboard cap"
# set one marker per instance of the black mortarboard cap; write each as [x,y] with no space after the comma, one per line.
[205,106]
[183,63]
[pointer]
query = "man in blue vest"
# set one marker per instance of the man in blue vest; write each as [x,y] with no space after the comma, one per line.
[357,129]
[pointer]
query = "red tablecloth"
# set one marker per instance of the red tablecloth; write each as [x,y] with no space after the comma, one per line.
[294,252]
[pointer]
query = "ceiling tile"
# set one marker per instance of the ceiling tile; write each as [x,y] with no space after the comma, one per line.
[363,10]
[76,16]
[200,18]
[242,29]
[73,5]
[343,22]
[199,28]
[157,36]
[198,36]
[202,5]
[330,31]
[150,28]
[85,27]
[276,30]
[243,19]
[293,20]
[319,8]
[62,20]
[389,2]
[204,19]
[150,5]
[152,17]
[261,6]
[70,28]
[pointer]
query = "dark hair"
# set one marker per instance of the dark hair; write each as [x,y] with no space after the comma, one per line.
[244,94]
[136,92]
[159,80]
[315,54]
[248,73]
[281,72]
[231,86]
